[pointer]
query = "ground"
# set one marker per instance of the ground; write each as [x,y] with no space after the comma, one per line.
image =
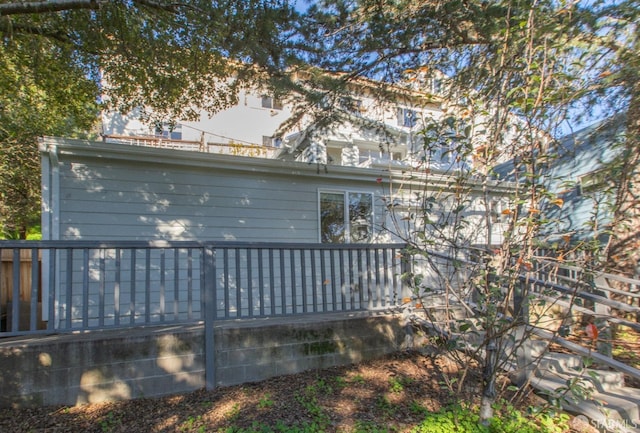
[390,394]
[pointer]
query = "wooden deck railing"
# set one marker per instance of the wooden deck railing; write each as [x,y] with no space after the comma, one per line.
[65,286]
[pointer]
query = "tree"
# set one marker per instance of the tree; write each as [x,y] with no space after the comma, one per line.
[40,94]
[173,58]
[59,58]
[517,68]
[617,81]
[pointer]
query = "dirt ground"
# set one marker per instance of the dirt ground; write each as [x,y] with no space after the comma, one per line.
[391,394]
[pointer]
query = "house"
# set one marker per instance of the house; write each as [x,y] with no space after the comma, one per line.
[358,179]
[576,170]
[579,173]
[104,191]
[366,126]
[97,191]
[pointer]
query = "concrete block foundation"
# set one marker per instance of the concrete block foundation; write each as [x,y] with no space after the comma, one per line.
[125,364]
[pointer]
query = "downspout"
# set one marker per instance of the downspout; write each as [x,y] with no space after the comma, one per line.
[50,213]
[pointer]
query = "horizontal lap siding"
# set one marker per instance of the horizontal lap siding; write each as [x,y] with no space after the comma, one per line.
[108,200]
[125,202]
[104,198]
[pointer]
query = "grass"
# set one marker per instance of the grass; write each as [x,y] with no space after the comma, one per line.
[452,419]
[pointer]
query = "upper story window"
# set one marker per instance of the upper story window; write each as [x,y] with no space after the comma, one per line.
[352,105]
[435,85]
[267,140]
[594,181]
[168,131]
[499,210]
[272,103]
[346,217]
[407,117]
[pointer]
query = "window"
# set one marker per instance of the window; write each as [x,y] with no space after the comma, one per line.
[272,103]
[594,181]
[435,85]
[271,141]
[172,131]
[351,105]
[159,131]
[346,217]
[499,211]
[407,117]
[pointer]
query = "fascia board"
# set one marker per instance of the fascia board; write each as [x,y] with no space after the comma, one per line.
[448,181]
[188,159]
[95,150]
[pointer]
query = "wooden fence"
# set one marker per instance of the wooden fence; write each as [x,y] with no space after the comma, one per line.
[19,266]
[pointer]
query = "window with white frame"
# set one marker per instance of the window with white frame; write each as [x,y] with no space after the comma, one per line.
[407,117]
[499,210]
[345,216]
[272,103]
[269,141]
[172,131]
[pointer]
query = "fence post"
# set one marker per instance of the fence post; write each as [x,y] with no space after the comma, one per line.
[523,349]
[406,266]
[17,282]
[602,315]
[208,252]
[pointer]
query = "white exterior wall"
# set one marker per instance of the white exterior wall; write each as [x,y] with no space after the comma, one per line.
[246,123]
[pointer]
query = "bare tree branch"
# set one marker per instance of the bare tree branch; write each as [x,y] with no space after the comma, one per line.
[47,6]
[9,27]
[34,7]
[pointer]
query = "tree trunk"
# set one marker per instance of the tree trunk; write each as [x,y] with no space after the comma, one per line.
[623,250]
[489,392]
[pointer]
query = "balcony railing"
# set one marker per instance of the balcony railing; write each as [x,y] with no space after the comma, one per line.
[66,286]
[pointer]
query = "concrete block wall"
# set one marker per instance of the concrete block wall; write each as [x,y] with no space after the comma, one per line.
[151,362]
[100,366]
[256,350]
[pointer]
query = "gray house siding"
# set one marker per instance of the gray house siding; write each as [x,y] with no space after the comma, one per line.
[97,191]
[153,195]
[101,191]
[579,171]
